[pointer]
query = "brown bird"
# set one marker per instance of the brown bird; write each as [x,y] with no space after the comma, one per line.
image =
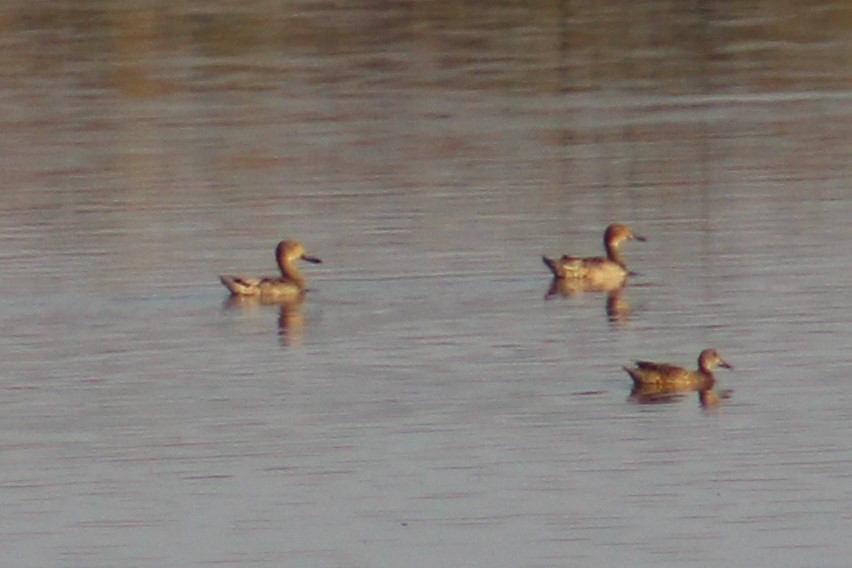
[664,375]
[596,273]
[291,285]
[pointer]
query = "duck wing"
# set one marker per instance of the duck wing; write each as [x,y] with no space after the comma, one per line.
[245,285]
[563,267]
[658,367]
[572,267]
[660,372]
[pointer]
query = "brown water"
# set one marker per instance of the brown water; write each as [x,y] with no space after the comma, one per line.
[426,406]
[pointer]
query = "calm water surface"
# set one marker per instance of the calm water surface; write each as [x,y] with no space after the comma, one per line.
[426,406]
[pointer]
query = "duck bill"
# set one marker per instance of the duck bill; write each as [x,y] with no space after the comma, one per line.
[725,365]
[313,259]
[639,238]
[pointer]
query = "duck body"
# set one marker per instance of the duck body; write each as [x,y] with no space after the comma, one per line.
[587,274]
[290,286]
[596,273]
[266,288]
[662,375]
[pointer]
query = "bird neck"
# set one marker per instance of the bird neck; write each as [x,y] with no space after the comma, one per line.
[612,253]
[704,368]
[291,273]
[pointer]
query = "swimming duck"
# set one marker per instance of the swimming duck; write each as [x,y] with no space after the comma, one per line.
[665,375]
[290,285]
[597,273]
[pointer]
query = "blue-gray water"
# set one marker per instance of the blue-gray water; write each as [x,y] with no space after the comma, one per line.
[426,406]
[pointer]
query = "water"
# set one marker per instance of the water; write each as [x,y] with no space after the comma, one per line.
[426,406]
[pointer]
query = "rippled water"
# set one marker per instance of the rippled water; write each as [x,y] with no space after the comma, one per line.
[427,405]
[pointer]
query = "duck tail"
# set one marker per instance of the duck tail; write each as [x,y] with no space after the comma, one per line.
[633,375]
[233,284]
[552,265]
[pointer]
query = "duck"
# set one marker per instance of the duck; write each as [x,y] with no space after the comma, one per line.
[665,376]
[596,273]
[291,285]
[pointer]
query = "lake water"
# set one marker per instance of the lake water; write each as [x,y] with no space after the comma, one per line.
[426,405]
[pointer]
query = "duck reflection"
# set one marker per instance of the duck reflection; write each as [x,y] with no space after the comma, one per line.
[708,395]
[710,398]
[291,322]
[617,307]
